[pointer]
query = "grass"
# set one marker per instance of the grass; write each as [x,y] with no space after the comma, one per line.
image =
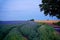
[48,33]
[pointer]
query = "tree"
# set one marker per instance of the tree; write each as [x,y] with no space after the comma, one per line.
[51,7]
[31,19]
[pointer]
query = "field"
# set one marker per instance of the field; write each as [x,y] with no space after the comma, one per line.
[47,21]
[27,30]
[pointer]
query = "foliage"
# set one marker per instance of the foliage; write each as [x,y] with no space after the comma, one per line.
[47,33]
[51,7]
[14,35]
[31,19]
[28,31]
[58,23]
[4,30]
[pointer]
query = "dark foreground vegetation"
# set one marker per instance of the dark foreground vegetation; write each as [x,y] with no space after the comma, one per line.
[28,30]
[58,23]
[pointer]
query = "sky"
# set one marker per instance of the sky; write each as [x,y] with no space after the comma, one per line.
[22,10]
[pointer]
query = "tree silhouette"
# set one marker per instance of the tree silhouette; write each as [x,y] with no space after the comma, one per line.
[51,7]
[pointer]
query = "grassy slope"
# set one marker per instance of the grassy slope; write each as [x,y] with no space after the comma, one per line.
[47,32]
[19,32]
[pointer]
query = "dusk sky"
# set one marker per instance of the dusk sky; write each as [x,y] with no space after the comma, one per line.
[21,10]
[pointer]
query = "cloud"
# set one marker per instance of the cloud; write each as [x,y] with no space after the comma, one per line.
[20,5]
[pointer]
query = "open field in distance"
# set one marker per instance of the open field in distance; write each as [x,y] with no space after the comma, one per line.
[47,21]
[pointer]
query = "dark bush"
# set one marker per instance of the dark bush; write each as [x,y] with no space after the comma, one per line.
[31,19]
[58,23]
